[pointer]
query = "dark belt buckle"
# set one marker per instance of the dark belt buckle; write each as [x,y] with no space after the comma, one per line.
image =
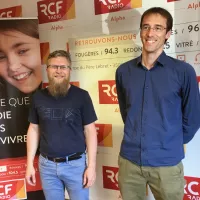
[56,160]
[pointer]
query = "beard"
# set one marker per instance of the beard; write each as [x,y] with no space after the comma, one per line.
[58,89]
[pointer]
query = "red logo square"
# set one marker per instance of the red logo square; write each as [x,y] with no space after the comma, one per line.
[107,92]
[55,10]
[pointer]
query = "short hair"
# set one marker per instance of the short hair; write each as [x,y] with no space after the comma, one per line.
[26,26]
[59,53]
[163,12]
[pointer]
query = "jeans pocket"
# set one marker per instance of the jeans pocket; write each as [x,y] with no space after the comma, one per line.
[177,170]
[79,162]
[180,167]
[42,160]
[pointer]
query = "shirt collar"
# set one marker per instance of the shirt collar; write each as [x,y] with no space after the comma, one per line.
[161,59]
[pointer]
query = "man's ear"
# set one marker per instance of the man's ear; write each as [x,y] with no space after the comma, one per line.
[168,34]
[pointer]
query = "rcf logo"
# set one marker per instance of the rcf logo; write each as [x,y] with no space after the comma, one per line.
[11,12]
[107,6]
[104,135]
[55,10]
[192,188]
[44,51]
[110,178]
[13,189]
[107,92]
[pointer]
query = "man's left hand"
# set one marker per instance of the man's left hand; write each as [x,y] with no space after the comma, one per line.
[89,177]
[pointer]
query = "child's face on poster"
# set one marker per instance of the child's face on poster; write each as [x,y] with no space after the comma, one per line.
[20,60]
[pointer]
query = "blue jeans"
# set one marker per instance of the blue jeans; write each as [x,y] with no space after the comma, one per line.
[55,177]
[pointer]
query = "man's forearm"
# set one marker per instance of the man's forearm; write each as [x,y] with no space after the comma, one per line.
[91,143]
[190,105]
[121,98]
[32,142]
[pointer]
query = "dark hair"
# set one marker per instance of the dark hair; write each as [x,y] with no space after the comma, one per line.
[60,53]
[163,12]
[26,26]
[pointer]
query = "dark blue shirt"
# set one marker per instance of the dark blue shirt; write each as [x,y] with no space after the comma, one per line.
[160,109]
[61,121]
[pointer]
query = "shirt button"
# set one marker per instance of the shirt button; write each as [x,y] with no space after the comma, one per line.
[143,135]
[147,87]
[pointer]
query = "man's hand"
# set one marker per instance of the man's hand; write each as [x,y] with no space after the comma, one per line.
[89,177]
[30,175]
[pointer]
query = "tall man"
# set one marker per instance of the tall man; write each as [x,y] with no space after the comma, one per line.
[160,105]
[62,120]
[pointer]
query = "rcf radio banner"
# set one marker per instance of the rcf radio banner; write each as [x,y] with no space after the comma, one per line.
[52,11]
[192,188]
[108,6]
[104,135]
[20,77]
[110,177]
[107,92]
[12,179]
[15,11]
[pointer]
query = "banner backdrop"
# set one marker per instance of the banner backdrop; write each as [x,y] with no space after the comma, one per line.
[20,76]
[100,35]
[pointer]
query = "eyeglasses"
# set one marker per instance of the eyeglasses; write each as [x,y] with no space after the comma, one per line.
[62,67]
[157,28]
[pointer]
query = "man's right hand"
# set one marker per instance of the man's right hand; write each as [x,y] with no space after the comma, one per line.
[30,175]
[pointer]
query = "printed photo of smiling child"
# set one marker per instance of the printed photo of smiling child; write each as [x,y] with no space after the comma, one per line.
[20,77]
[20,60]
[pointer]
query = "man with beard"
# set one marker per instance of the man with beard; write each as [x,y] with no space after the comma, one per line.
[62,119]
